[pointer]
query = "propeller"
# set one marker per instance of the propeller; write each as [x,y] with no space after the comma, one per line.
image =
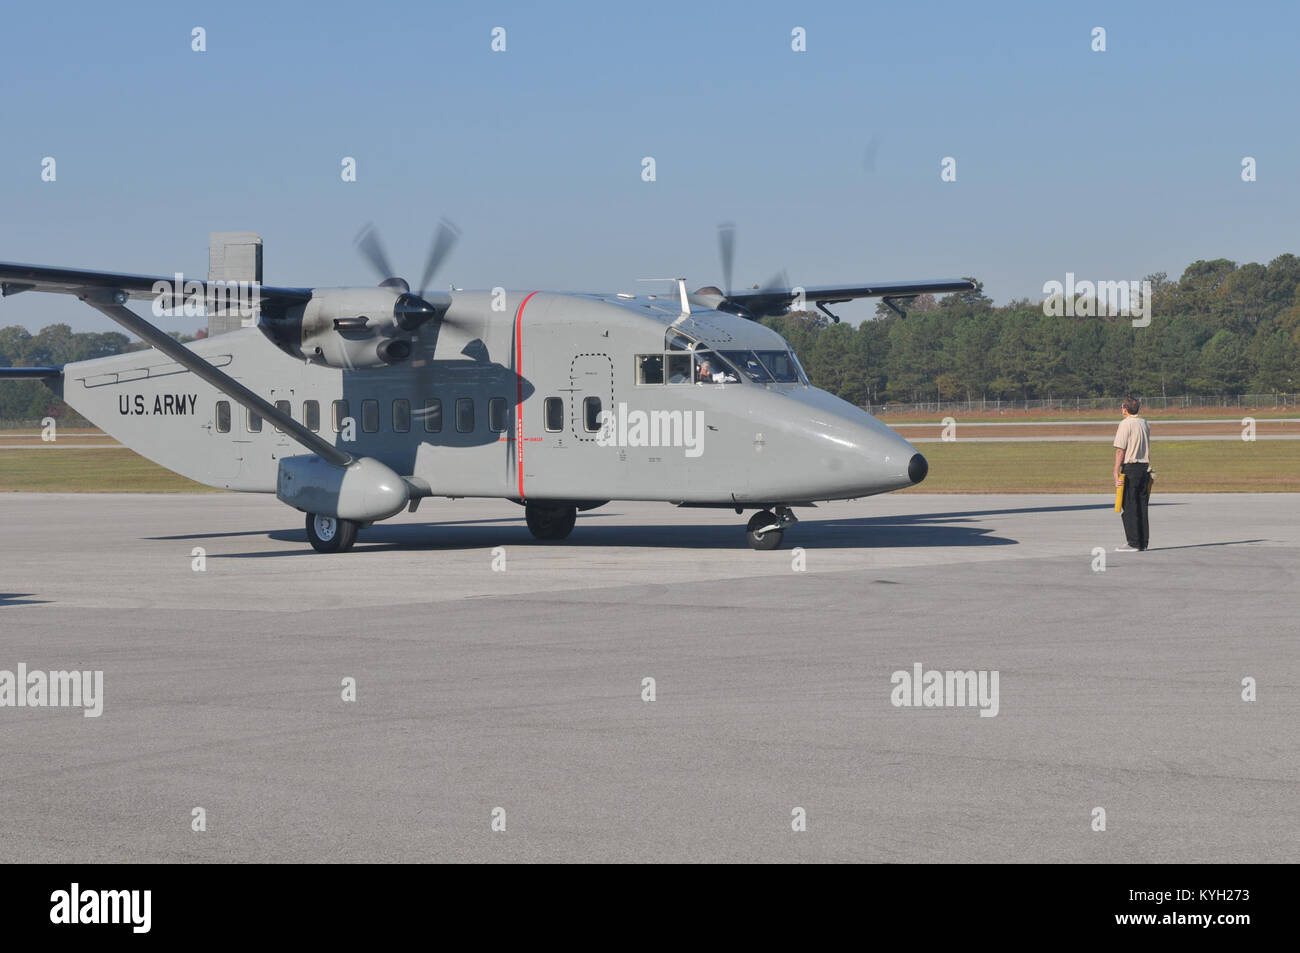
[727,253]
[778,282]
[372,249]
[411,310]
[872,152]
[443,242]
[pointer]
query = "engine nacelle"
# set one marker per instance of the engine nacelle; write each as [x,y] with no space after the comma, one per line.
[354,327]
[364,491]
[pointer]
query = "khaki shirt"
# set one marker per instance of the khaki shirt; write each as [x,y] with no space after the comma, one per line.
[1134,437]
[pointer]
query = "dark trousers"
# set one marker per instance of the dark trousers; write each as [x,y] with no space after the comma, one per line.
[1137,491]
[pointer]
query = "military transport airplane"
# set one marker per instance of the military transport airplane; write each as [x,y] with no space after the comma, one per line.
[353,403]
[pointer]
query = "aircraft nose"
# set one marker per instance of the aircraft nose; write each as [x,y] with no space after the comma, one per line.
[917,468]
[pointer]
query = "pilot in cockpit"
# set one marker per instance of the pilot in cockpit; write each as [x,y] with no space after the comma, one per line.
[706,372]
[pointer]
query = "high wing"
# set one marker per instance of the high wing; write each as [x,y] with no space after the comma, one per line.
[16,278]
[773,301]
[108,292]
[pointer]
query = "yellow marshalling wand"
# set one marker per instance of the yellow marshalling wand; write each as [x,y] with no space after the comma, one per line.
[1119,494]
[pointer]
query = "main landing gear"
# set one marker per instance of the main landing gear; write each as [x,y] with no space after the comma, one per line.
[550,521]
[766,528]
[329,534]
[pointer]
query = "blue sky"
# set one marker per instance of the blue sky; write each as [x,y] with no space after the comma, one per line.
[1111,165]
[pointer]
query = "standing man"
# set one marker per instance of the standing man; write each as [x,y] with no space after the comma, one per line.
[1133,459]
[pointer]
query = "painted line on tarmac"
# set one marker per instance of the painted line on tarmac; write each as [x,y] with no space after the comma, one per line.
[1096,423]
[1170,437]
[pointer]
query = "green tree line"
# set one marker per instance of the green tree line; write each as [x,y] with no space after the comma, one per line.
[1219,329]
[27,401]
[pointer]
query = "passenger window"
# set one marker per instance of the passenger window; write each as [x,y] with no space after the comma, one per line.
[283,407]
[679,368]
[370,416]
[433,416]
[254,422]
[555,414]
[465,414]
[223,416]
[340,414]
[591,411]
[311,415]
[650,369]
[401,415]
[497,414]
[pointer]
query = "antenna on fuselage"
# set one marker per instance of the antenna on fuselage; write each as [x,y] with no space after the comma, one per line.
[681,291]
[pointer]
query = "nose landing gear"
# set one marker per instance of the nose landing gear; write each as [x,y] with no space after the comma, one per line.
[766,528]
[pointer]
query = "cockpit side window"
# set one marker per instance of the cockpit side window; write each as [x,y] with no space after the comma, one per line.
[677,341]
[679,368]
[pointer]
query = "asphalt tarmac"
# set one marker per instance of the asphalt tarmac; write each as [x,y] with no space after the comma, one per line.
[494,672]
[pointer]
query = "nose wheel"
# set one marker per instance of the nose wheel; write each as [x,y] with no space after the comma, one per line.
[329,534]
[766,529]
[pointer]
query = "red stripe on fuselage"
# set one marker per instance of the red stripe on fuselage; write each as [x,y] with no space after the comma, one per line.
[519,393]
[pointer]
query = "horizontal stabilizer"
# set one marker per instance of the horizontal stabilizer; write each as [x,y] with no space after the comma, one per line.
[30,373]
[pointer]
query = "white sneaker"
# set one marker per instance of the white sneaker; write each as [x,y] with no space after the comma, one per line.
[1125,549]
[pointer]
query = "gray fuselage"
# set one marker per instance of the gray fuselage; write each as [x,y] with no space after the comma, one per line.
[522,396]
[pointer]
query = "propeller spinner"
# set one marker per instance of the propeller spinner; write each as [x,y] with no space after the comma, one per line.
[410,310]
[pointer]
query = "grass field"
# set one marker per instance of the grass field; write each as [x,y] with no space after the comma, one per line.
[1155,416]
[1209,466]
[116,470]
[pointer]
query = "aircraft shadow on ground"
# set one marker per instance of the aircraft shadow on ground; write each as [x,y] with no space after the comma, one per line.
[879,532]
[289,534]
[867,532]
[1063,508]
[20,599]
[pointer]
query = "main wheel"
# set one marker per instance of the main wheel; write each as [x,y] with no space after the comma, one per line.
[329,534]
[758,539]
[550,522]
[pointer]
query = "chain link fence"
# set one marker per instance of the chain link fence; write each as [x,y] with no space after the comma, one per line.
[1056,405]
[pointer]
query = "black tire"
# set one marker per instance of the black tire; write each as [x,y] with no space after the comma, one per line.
[550,522]
[762,541]
[328,534]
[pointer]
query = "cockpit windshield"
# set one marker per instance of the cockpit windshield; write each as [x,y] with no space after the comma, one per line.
[749,363]
[781,365]
[686,360]
[767,367]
